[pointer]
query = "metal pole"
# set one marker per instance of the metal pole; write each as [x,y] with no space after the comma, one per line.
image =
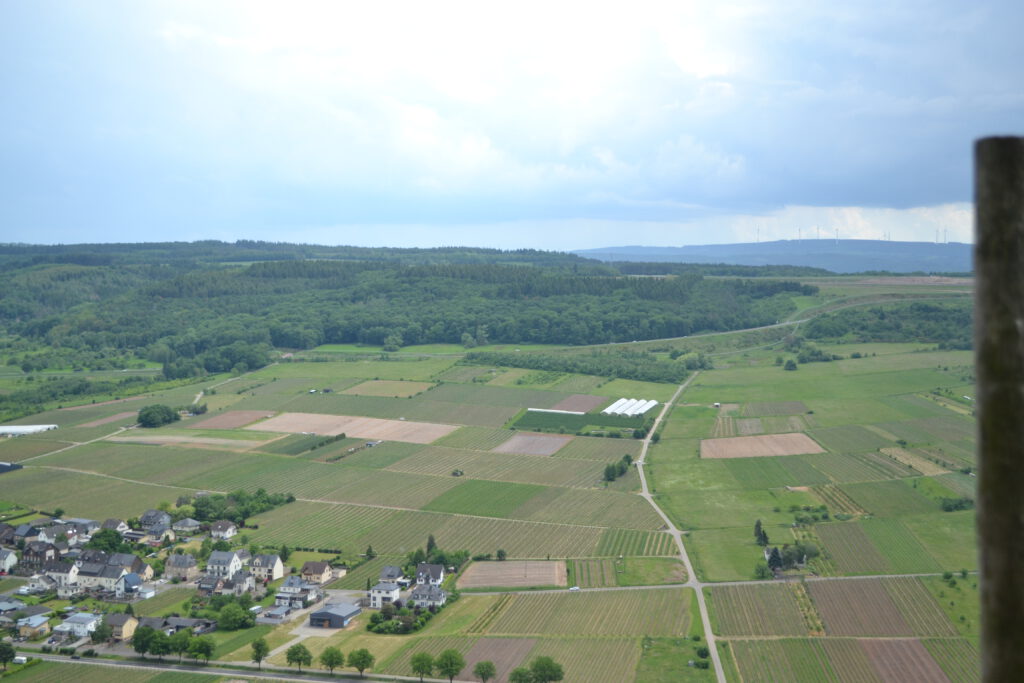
[999,360]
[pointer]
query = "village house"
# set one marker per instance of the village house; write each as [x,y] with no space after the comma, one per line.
[122,626]
[238,583]
[183,567]
[316,572]
[392,574]
[427,595]
[187,526]
[37,554]
[118,525]
[25,532]
[223,530]
[154,518]
[36,626]
[8,560]
[432,574]
[127,585]
[383,593]
[131,563]
[39,583]
[96,576]
[267,567]
[296,593]
[65,577]
[223,563]
[78,625]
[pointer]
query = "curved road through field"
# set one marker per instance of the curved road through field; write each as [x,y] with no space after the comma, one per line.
[677,535]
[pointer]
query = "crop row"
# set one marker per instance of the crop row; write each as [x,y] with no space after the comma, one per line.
[620,613]
[529,469]
[399,532]
[594,573]
[757,610]
[769,661]
[629,542]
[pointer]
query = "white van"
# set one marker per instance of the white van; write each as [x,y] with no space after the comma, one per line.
[20,660]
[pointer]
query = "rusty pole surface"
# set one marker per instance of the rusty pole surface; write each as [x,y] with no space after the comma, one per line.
[999,361]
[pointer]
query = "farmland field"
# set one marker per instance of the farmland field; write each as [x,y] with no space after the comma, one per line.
[851,549]
[60,672]
[527,469]
[857,607]
[532,444]
[957,657]
[758,446]
[904,552]
[662,612]
[475,438]
[898,661]
[384,387]
[889,498]
[757,610]
[513,574]
[769,661]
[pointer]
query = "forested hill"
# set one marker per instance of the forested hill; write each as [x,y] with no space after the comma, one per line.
[166,304]
[839,256]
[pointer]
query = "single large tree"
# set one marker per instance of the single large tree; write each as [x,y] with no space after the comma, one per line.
[299,654]
[160,645]
[450,663]
[157,416]
[331,658]
[546,670]
[361,660]
[422,664]
[485,671]
[520,675]
[102,633]
[7,653]
[180,642]
[203,646]
[141,639]
[260,650]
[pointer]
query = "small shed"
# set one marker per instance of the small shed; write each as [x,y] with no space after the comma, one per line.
[337,615]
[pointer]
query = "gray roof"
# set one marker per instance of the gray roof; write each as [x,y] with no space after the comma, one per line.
[119,619]
[184,561]
[222,525]
[428,593]
[391,572]
[435,571]
[386,586]
[264,560]
[82,618]
[341,609]
[221,557]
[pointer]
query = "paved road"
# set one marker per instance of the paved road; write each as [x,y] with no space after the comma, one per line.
[677,535]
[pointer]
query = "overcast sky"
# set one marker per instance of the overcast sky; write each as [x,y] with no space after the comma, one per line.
[549,125]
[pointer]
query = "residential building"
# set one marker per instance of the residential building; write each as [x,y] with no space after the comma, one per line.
[127,585]
[383,593]
[223,563]
[427,595]
[316,572]
[122,626]
[187,526]
[37,554]
[296,593]
[8,560]
[334,615]
[131,563]
[183,567]
[432,574]
[240,582]
[267,567]
[391,574]
[65,577]
[154,518]
[96,576]
[78,625]
[34,626]
[223,530]
[117,525]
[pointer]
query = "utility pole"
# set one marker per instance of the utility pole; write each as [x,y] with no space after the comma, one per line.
[999,360]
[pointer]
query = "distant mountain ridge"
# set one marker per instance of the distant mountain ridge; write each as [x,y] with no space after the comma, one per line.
[839,256]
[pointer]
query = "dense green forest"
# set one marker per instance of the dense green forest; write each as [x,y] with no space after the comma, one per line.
[176,311]
[948,324]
